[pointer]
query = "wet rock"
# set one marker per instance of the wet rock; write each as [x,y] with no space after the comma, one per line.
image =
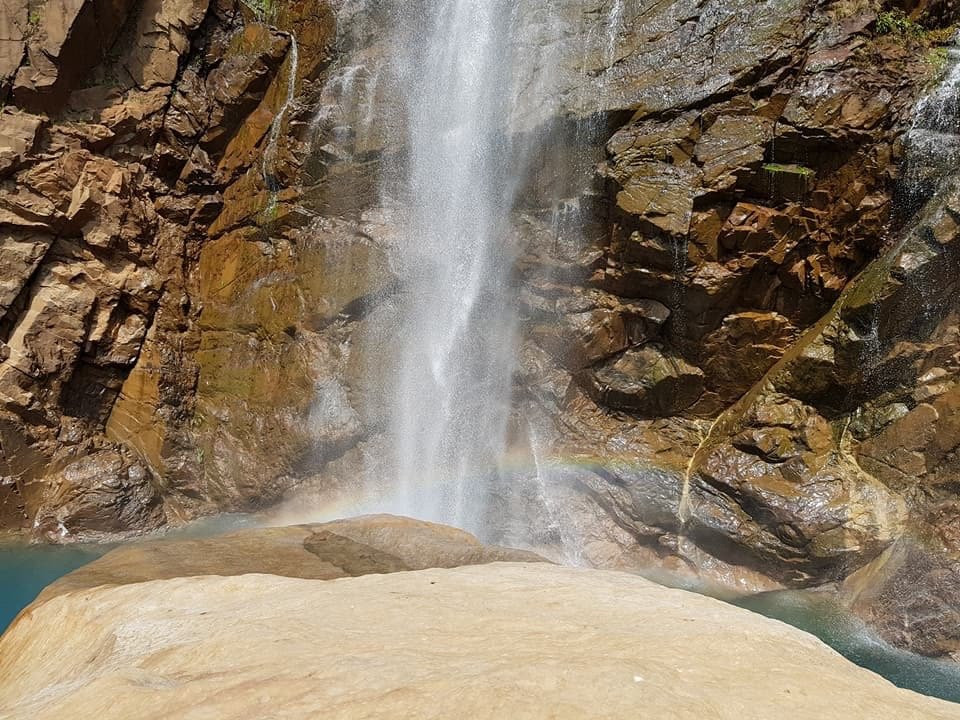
[660,194]
[910,596]
[271,392]
[783,496]
[598,335]
[604,326]
[105,492]
[743,349]
[732,143]
[647,382]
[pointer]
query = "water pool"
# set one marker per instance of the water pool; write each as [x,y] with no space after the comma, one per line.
[25,570]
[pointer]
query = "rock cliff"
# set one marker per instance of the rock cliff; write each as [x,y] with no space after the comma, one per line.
[748,356]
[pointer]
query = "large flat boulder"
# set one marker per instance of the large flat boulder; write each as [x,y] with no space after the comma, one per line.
[316,551]
[528,640]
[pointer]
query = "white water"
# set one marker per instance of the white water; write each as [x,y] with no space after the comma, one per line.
[933,141]
[614,27]
[459,96]
[269,161]
[452,396]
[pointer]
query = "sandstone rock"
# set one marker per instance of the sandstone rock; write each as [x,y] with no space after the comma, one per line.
[49,336]
[106,208]
[643,63]
[14,20]
[72,37]
[160,38]
[77,312]
[756,229]
[484,641]
[18,135]
[20,254]
[271,389]
[319,551]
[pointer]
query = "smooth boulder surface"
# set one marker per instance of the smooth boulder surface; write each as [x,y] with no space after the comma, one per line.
[317,551]
[517,640]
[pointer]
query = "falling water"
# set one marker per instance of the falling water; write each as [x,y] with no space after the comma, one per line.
[452,399]
[615,21]
[570,545]
[933,141]
[463,107]
[269,162]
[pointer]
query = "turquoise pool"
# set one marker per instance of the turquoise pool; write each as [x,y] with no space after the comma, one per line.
[26,570]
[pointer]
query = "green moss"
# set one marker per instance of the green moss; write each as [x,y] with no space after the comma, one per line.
[791,169]
[937,58]
[896,22]
[263,9]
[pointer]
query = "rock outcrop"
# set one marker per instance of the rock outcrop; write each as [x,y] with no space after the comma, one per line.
[126,125]
[528,640]
[322,551]
[806,265]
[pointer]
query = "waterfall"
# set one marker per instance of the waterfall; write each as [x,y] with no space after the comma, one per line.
[451,401]
[615,21]
[269,161]
[933,142]
[470,113]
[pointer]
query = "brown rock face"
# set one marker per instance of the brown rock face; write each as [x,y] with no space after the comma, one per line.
[648,383]
[811,313]
[69,39]
[910,596]
[130,122]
